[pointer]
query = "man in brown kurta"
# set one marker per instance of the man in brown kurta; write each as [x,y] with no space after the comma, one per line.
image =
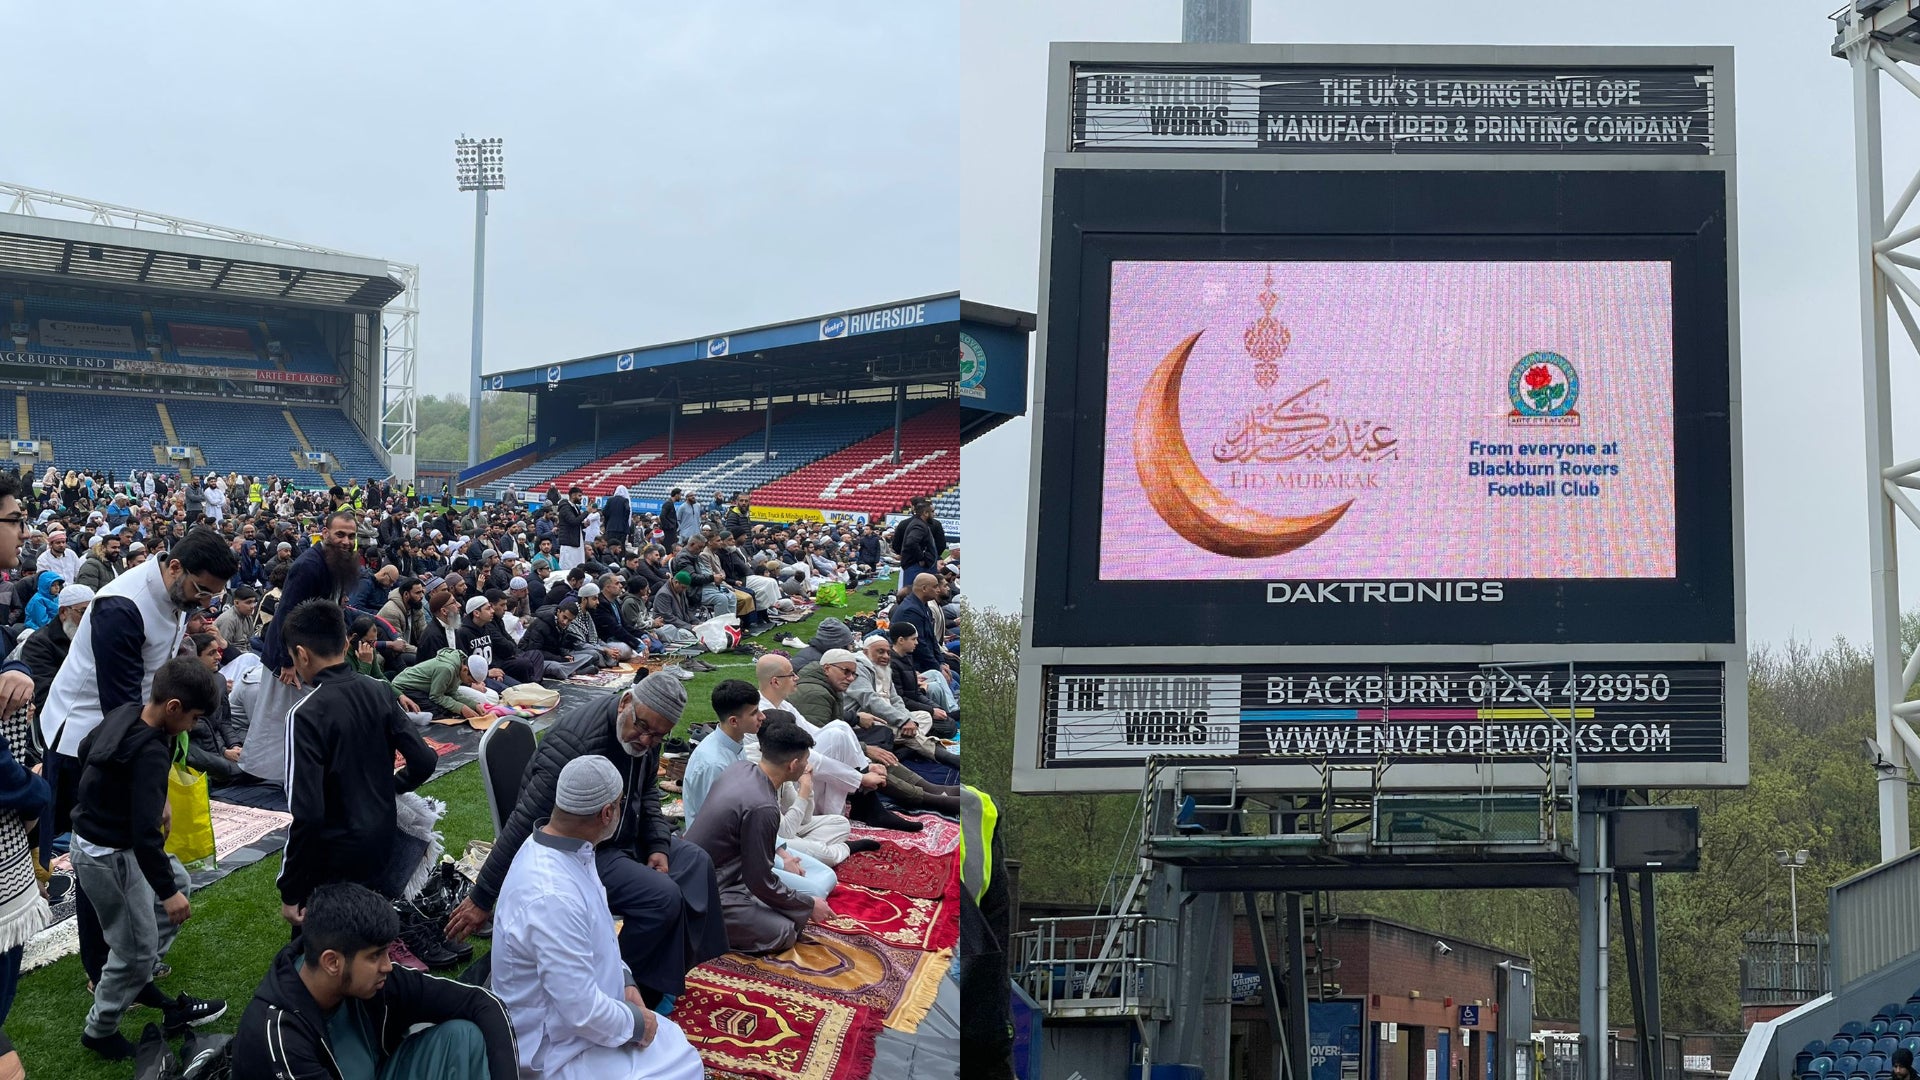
[738,826]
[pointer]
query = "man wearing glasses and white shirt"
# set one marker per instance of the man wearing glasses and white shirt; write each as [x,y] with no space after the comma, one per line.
[132,628]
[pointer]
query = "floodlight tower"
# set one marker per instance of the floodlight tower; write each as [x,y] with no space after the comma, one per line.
[1877,37]
[480,167]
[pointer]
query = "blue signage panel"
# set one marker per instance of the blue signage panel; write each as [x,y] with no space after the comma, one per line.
[943,309]
[1333,1037]
[993,368]
[1469,1016]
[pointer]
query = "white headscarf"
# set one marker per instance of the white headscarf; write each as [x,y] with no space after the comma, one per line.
[621,491]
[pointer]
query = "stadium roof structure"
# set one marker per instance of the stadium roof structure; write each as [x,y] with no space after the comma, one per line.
[106,256]
[914,341]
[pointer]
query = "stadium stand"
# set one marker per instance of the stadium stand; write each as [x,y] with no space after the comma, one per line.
[863,479]
[806,435]
[694,437]
[1863,1049]
[535,477]
[259,441]
[95,431]
[946,505]
[301,347]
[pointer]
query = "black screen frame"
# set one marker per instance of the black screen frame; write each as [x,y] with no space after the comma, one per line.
[1100,216]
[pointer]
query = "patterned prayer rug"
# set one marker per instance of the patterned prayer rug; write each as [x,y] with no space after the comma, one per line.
[898,919]
[748,1028]
[899,982]
[938,836]
[894,868]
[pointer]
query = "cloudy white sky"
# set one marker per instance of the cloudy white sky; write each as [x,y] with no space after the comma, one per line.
[672,170]
[1806,499]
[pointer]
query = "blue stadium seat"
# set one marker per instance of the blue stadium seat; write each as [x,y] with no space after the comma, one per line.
[1852,1028]
[1847,1064]
[1838,1046]
[1901,1026]
[1885,1045]
[1820,1066]
[1861,1046]
[1873,1063]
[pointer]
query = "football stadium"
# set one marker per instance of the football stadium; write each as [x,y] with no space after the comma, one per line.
[768,512]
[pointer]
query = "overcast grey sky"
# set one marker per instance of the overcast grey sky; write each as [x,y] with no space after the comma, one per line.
[1806,500]
[672,170]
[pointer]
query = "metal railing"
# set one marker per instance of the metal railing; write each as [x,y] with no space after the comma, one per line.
[1100,965]
[1775,970]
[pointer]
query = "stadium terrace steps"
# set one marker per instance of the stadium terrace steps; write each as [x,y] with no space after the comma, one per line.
[863,479]
[326,475]
[23,424]
[166,424]
[693,437]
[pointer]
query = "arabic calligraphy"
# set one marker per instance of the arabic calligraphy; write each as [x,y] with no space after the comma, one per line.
[1296,430]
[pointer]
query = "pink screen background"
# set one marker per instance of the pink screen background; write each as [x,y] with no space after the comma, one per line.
[1424,350]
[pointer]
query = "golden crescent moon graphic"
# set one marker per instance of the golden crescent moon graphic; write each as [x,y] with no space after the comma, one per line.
[1185,499]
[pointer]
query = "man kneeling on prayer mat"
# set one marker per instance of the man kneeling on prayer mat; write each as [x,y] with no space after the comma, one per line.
[739,826]
[334,1005]
[575,1008]
[660,887]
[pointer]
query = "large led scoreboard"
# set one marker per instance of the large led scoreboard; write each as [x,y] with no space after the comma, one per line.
[1387,412]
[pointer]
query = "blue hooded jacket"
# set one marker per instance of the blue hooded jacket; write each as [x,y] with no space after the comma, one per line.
[45,605]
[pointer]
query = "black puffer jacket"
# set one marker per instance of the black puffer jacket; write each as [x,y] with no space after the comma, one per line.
[695,566]
[284,1032]
[590,731]
[566,532]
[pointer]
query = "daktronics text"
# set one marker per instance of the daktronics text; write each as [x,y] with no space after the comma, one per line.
[1385,592]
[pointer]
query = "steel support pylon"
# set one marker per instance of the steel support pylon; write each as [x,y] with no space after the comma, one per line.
[1880,44]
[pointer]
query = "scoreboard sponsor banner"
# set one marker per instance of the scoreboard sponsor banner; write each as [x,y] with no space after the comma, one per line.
[193,339]
[1363,713]
[1348,109]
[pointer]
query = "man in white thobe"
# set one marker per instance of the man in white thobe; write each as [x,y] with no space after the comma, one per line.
[556,961]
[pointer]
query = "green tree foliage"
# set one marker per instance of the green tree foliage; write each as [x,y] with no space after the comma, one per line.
[443,426]
[1809,710]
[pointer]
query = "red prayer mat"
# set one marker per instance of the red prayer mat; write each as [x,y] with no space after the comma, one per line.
[895,868]
[748,1028]
[896,918]
[938,835]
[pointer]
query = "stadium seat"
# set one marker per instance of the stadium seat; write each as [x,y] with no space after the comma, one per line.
[1820,1066]
[1885,1045]
[1852,1028]
[1873,1063]
[1862,1045]
[863,478]
[1847,1064]
[1901,1026]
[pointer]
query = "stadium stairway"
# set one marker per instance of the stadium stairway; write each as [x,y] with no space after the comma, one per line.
[326,477]
[863,479]
[330,431]
[23,423]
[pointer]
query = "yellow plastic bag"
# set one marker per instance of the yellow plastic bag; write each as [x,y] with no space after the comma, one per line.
[191,840]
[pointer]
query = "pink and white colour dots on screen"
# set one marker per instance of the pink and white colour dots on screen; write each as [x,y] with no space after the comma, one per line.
[1490,420]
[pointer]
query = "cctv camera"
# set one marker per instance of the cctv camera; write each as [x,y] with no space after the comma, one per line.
[1442,948]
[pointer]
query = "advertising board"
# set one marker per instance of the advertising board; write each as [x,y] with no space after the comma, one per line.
[1386,412]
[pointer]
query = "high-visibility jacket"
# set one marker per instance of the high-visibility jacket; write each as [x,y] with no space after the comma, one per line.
[978,817]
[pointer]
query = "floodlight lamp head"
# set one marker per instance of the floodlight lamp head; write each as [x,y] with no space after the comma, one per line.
[1442,948]
[1800,857]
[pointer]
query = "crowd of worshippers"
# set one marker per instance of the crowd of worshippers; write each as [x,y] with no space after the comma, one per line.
[302,639]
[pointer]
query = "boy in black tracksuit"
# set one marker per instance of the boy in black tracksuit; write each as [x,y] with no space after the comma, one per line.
[334,997]
[341,782]
[120,855]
